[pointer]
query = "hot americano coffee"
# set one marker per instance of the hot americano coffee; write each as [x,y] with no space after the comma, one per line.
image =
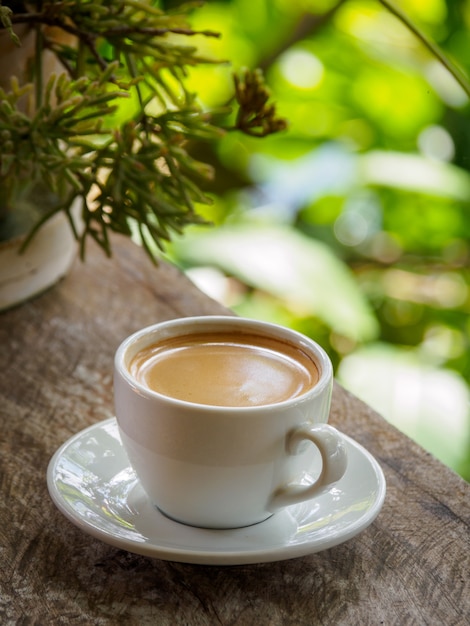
[230,369]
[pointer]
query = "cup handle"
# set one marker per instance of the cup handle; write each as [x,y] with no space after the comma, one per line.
[334,461]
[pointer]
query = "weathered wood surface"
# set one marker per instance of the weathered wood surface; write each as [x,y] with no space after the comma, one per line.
[411,566]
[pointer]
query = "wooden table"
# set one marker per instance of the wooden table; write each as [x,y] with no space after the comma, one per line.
[411,566]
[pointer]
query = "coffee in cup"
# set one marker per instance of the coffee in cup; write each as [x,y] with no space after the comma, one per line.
[231,369]
[224,419]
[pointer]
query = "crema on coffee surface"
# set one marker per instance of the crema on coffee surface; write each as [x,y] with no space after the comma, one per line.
[225,369]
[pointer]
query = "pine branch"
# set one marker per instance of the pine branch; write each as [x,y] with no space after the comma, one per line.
[256,116]
[134,168]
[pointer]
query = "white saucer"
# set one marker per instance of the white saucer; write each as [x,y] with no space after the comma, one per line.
[92,484]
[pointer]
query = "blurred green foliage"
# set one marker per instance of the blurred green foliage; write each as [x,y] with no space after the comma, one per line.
[353,225]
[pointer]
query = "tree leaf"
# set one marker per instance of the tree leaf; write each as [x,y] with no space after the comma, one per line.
[290,266]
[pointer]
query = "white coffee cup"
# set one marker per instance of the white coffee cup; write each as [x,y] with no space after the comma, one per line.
[226,466]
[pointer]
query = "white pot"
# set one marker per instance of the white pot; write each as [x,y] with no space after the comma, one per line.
[51,252]
[47,258]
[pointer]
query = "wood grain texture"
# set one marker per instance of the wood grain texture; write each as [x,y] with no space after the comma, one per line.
[411,566]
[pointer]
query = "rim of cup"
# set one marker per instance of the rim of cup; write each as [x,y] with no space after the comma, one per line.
[164,330]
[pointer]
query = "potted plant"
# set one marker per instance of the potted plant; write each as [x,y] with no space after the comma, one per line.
[96,128]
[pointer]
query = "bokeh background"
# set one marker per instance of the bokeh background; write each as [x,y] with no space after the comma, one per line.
[353,226]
